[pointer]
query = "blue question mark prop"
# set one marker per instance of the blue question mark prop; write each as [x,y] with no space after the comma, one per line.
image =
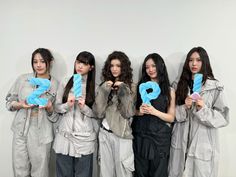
[33,98]
[147,97]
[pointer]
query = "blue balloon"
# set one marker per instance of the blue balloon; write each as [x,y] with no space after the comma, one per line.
[147,97]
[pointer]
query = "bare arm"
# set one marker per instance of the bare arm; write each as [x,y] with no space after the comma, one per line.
[167,117]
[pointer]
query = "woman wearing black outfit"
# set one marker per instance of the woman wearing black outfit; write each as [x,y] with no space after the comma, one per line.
[152,123]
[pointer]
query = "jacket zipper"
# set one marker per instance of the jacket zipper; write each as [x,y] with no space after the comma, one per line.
[122,135]
[74,112]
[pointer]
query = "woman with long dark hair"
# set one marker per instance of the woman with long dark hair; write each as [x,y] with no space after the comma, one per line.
[114,103]
[32,126]
[152,124]
[194,145]
[75,139]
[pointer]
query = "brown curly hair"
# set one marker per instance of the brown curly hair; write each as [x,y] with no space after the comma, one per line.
[126,70]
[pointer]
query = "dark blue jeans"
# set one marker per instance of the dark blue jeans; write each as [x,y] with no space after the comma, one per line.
[67,166]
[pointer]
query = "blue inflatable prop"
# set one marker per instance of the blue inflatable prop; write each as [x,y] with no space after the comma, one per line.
[34,97]
[77,85]
[147,97]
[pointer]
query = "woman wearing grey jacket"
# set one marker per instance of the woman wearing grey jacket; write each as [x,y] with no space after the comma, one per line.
[75,139]
[194,145]
[32,125]
[114,103]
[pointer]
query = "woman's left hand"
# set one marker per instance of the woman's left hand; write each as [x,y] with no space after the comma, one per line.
[81,102]
[200,104]
[48,107]
[117,85]
[148,109]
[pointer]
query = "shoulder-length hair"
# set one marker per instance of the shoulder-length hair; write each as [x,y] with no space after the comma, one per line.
[186,76]
[88,59]
[126,70]
[46,55]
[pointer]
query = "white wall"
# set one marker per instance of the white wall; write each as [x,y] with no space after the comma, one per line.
[137,27]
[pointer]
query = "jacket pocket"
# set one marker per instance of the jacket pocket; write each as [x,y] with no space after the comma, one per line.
[128,163]
[180,135]
[18,124]
[201,146]
[126,154]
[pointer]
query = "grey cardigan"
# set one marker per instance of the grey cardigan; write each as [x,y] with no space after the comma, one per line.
[118,115]
[194,143]
[18,92]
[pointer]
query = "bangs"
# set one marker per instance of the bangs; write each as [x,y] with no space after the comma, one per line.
[83,60]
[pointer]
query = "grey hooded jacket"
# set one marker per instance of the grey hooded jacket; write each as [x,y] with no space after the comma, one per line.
[194,145]
[76,129]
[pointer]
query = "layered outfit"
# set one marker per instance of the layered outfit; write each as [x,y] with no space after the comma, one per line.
[116,108]
[194,146]
[152,137]
[76,134]
[32,128]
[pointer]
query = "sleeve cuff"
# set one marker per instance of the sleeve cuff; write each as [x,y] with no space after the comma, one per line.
[200,114]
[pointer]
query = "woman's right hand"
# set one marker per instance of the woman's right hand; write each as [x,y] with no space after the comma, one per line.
[109,83]
[188,102]
[142,109]
[22,105]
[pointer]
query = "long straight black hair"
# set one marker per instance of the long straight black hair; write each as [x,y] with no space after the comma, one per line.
[186,76]
[162,77]
[88,59]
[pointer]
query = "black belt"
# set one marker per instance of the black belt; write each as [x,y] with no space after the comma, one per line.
[102,126]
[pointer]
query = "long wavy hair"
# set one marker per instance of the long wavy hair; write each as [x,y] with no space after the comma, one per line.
[186,76]
[162,77]
[88,59]
[126,70]
[46,55]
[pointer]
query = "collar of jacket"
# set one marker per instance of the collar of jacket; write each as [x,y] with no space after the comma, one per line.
[212,85]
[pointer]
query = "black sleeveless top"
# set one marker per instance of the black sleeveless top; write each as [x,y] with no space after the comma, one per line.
[150,132]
